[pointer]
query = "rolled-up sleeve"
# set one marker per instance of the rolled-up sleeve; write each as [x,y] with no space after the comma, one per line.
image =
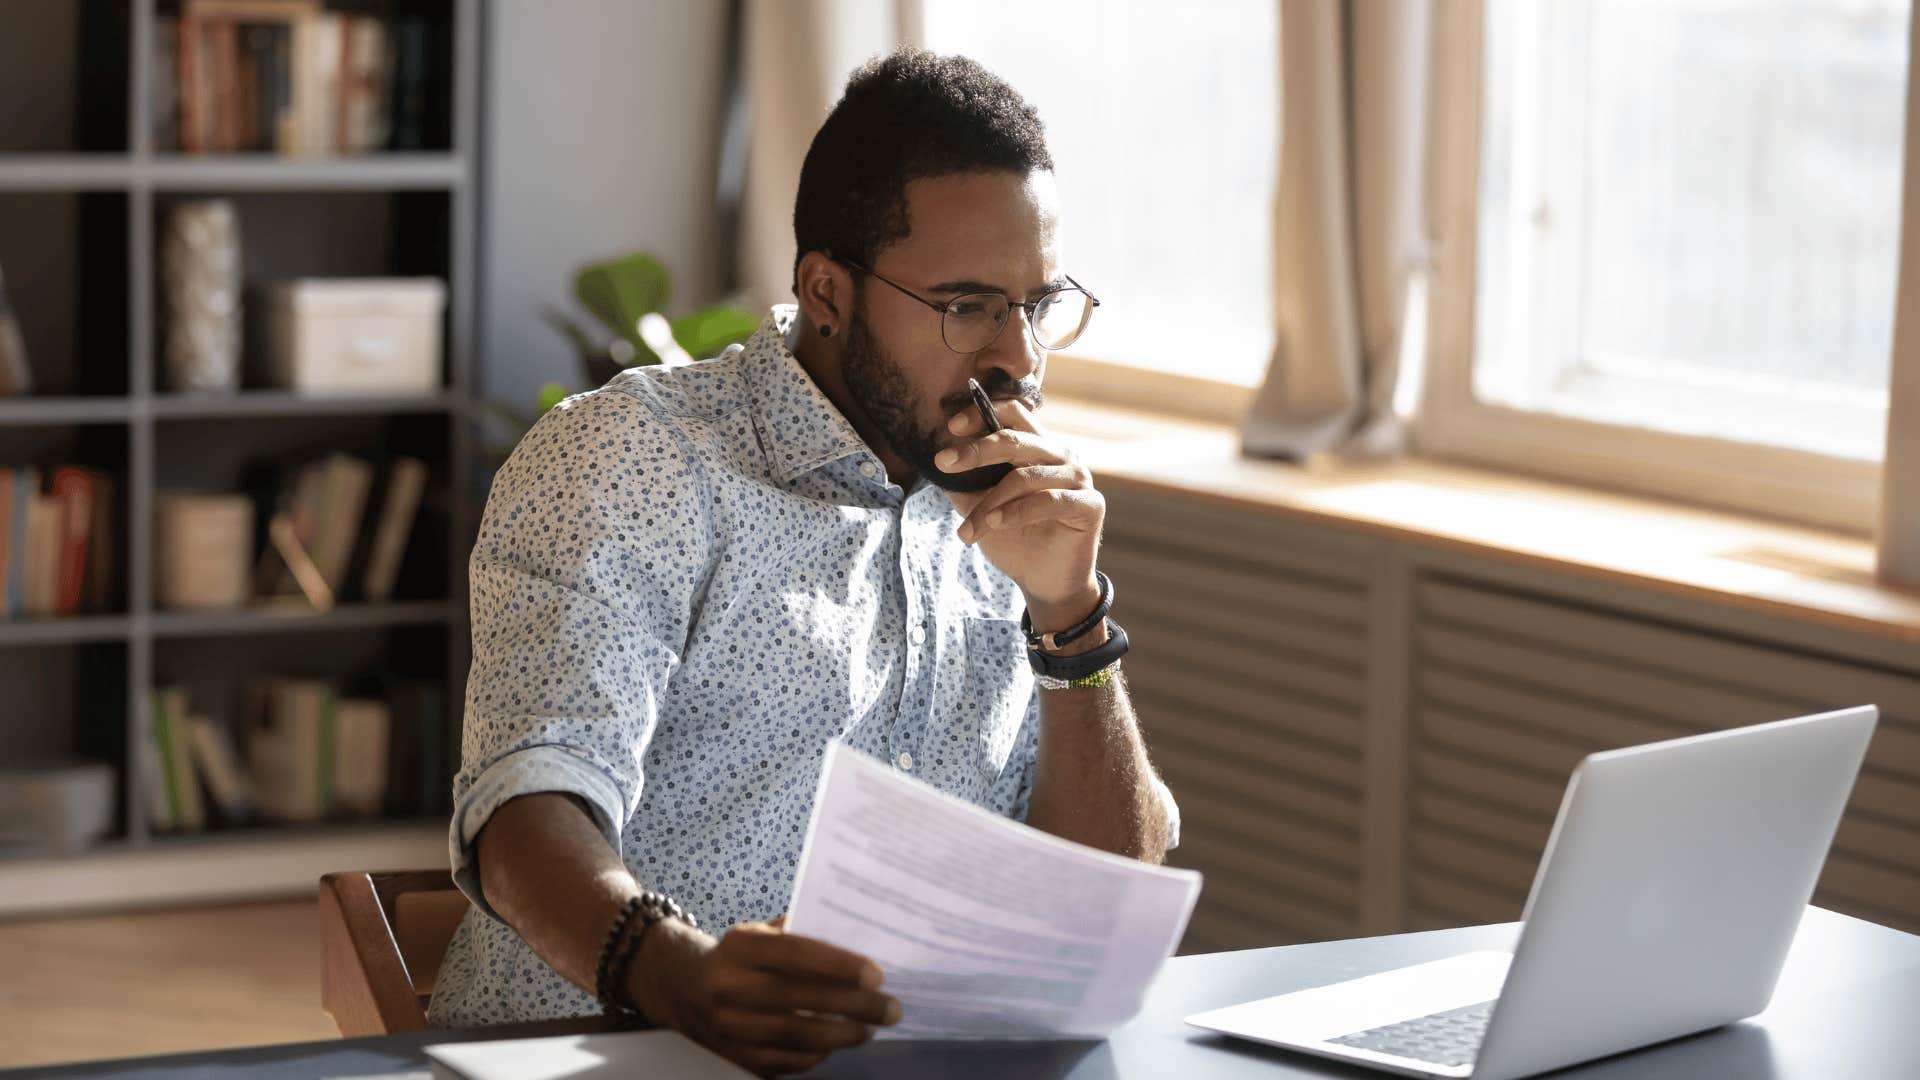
[592,547]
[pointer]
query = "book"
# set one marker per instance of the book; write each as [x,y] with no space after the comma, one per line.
[323,38]
[223,48]
[171,735]
[365,67]
[406,484]
[219,765]
[343,503]
[100,571]
[361,730]
[250,90]
[43,553]
[290,749]
[233,72]
[72,488]
[152,778]
[412,73]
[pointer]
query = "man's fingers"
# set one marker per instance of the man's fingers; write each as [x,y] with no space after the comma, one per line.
[1006,445]
[1080,508]
[789,1031]
[769,992]
[1019,483]
[809,958]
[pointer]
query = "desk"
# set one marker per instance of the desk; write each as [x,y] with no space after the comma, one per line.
[1846,1006]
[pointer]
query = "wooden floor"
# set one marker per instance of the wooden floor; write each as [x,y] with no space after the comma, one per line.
[108,986]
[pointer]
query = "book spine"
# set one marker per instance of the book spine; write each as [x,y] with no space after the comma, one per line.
[405,486]
[7,552]
[187,72]
[163,742]
[73,490]
[226,84]
[152,778]
[43,544]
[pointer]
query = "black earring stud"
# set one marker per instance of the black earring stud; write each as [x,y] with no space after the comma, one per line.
[826,331]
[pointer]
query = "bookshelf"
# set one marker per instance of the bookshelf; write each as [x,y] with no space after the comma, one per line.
[83,195]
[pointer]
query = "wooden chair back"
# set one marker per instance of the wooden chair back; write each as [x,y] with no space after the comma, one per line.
[382,936]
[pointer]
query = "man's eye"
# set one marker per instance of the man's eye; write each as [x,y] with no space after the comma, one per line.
[967,309]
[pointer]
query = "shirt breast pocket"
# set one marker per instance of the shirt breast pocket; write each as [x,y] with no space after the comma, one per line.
[996,691]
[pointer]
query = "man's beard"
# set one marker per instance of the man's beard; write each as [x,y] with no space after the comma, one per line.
[885,394]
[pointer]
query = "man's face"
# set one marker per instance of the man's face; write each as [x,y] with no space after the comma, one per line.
[994,232]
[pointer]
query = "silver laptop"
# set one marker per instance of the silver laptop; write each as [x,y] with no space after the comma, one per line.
[1671,887]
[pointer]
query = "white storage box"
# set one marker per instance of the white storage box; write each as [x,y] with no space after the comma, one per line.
[59,806]
[352,336]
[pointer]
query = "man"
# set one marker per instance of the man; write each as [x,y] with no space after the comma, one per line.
[690,581]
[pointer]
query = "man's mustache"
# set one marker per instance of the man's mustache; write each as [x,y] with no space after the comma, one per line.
[1027,392]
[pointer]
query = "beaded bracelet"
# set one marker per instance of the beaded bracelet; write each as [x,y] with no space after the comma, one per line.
[610,975]
[611,971]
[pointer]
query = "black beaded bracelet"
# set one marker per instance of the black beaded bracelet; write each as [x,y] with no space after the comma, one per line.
[616,956]
[610,974]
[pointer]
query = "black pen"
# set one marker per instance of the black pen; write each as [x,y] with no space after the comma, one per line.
[985,404]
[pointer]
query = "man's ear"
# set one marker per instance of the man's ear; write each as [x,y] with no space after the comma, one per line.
[825,293]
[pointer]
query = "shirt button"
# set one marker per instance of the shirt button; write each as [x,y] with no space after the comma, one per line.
[917,635]
[906,760]
[867,469]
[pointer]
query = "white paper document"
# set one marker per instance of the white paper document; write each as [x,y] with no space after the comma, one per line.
[985,928]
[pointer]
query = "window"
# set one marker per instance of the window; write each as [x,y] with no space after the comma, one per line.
[1163,121]
[1684,223]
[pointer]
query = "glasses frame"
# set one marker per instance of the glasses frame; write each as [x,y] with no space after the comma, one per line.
[1027,306]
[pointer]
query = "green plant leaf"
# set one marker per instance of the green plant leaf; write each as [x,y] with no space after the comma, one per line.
[619,291]
[706,332]
[550,395]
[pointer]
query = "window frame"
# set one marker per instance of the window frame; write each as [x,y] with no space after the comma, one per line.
[1799,485]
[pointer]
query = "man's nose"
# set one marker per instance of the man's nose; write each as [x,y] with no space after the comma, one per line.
[1014,351]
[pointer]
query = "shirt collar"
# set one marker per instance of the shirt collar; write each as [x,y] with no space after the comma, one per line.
[800,428]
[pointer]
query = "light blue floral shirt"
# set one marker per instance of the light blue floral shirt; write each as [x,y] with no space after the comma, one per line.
[686,584]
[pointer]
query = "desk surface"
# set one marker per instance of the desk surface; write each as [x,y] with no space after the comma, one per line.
[1845,1007]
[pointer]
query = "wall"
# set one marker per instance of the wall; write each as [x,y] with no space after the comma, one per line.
[601,131]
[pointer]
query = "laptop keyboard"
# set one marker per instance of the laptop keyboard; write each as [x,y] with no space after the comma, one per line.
[1446,1038]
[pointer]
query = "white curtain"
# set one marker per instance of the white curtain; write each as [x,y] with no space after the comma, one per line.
[1349,225]
[798,54]
[1899,556]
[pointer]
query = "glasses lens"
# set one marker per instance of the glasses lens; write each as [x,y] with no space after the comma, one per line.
[1059,317]
[972,322]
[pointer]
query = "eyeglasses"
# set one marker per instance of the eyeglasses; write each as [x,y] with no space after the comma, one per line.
[972,322]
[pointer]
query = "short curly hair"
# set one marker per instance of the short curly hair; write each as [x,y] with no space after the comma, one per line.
[905,116]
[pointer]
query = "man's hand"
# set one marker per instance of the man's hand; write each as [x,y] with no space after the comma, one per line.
[1041,524]
[771,1001]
